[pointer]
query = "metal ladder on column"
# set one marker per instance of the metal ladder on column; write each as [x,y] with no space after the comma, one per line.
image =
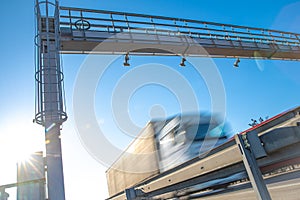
[50,111]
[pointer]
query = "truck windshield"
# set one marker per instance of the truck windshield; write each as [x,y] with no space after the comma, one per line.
[202,131]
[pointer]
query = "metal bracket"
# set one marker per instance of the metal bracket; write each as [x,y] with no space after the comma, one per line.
[256,145]
[248,145]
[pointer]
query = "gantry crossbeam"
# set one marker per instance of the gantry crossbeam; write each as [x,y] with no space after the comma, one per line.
[117,32]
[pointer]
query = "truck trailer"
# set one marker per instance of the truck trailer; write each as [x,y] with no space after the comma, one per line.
[164,144]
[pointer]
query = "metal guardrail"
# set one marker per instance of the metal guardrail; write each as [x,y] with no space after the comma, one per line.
[4,195]
[273,149]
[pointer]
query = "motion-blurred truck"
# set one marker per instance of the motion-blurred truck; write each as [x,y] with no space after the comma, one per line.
[164,144]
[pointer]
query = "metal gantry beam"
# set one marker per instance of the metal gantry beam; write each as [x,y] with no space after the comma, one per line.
[83,29]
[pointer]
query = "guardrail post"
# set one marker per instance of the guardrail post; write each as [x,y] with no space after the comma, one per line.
[251,166]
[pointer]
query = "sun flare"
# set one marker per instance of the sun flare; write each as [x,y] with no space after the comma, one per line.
[18,142]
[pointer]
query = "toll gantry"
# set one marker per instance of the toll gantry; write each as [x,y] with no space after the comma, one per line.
[65,30]
[81,30]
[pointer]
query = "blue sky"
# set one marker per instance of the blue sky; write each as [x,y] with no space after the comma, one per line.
[257,88]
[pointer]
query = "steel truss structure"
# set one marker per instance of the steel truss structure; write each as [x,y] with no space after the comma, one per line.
[62,30]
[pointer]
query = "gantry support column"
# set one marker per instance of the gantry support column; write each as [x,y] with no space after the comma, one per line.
[49,92]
